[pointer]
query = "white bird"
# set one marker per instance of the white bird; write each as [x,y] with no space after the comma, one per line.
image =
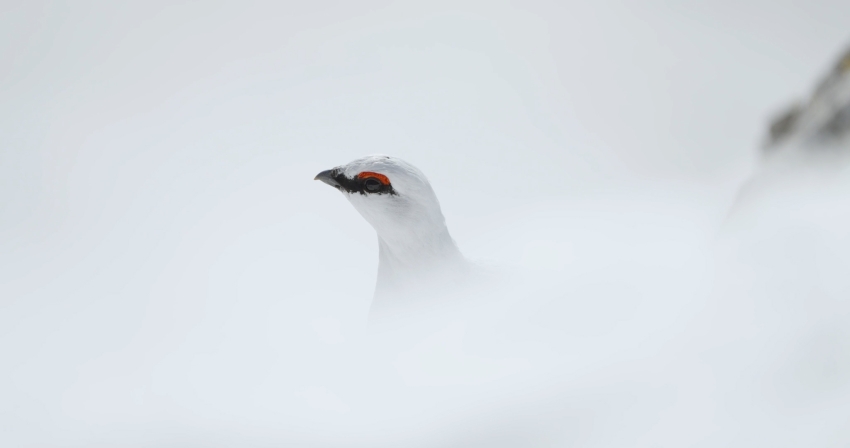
[417,257]
[628,348]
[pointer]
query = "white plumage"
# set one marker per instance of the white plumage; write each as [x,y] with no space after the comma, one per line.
[417,257]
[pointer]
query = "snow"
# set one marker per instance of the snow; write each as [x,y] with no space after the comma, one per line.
[170,275]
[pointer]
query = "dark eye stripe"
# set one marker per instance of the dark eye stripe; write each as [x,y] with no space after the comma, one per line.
[364,183]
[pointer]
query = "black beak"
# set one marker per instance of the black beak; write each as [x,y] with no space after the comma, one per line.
[327,177]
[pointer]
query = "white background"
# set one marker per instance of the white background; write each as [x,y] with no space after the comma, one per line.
[166,258]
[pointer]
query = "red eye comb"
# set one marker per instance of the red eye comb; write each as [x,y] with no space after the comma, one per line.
[380,177]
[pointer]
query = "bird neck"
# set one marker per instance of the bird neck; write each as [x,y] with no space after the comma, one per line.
[417,262]
[417,250]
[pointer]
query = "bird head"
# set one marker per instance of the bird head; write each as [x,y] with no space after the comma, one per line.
[392,195]
[416,254]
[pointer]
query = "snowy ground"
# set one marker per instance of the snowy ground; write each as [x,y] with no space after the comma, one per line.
[170,275]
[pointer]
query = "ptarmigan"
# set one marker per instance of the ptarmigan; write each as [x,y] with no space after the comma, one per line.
[417,256]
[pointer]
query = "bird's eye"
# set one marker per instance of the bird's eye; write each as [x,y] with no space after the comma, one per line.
[373,184]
